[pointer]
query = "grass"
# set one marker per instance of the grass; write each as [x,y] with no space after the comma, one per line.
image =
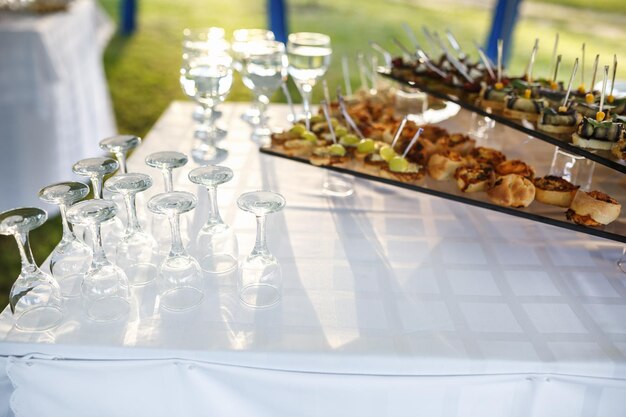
[142,69]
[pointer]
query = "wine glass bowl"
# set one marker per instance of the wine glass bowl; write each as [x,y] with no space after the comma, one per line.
[71,258]
[167,161]
[35,298]
[260,276]
[104,290]
[119,146]
[136,251]
[179,274]
[95,169]
[216,245]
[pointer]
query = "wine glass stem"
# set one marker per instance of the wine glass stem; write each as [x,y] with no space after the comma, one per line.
[306,91]
[96,185]
[121,158]
[99,257]
[23,245]
[167,179]
[177,248]
[214,212]
[131,214]
[68,232]
[208,117]
[260,247]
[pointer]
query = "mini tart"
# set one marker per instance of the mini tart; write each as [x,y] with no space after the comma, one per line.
[593,209]
[360,156]
[412,175]
[460,143]
[421,151]
[373,163]
[557,122]
[515,166]
[443,165]
[619,149]
[492,98]
[321,156]
[554,190]
[512,191]
[520,108]
[298,148]
[471,179]
[278,139]
[482,155]
[597,135]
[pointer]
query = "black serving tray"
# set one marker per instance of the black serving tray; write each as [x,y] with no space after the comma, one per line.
[602,157]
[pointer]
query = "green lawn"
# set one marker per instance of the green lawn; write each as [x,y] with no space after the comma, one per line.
[142,69]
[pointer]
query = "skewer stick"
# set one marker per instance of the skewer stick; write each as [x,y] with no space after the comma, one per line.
[360,61]
[455,44]
[582,68]
[604,80]
[289,101]
[385,53]
[531,62]
[554,56]
[614,72]
[485,60]
[324,105]
[455,62]
[374,73]
[415,138]
[326,92]
[429,38]
[500,50]
[595,70]
[571,81]
[556,68]
[346,115]
[410,34]
[399,131]
[402,47]
[426,61]
[346,74]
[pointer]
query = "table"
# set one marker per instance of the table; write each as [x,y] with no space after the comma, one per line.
[394,304]
[55,105]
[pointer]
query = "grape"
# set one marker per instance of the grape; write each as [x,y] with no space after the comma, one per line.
[387,152]
[317,118]
[350,139]
[310,136]
[297,129]
[366,146]
[337,149]
[341,131]
[398,164]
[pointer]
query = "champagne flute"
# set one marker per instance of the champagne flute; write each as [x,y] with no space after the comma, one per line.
[264,71]
[309,58]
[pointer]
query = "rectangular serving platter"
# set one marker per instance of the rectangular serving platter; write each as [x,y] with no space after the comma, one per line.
[515,145]
[602,157]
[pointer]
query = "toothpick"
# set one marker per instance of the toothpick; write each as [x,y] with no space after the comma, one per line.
[399,131]
[346,115]
[361,65]
[424,59]
[571,81]
[554,50]
[582,67]
[614,72]
[346,74]
[485,60]
[455,44]
[324,105]
[429,39]
[604,80]
[289,101]
[415,138]
[500,48]
[410,34]
[531,62]
[595,70]
[385,53]
[556,68]
[326,92]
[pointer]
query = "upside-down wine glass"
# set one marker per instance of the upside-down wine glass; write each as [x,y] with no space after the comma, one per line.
[70,259]
[309,58]
[119,146]
[207,79]
[105,292]
[260,277]
[35,297]
[166,162]
[179,276]
[216,243]
[137,251]
[241,43]
[95,169]
[264,70]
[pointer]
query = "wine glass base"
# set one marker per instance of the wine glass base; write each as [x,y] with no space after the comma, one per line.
[181,298]
[218,263]
[39,319]
[141,274]
[259,295]
[108,309]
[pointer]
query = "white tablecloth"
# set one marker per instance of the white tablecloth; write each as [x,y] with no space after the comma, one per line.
[395,304]
[54,101]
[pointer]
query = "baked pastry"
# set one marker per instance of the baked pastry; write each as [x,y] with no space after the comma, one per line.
[554,190]
[595,134]
[460,143]
[471,179]
[492,97]
[443,165]
[482,155]
[298,148]
[559,122]
[400,169]
[335,155]
[512,190]
[515,166]
[593,209]
[520,108]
